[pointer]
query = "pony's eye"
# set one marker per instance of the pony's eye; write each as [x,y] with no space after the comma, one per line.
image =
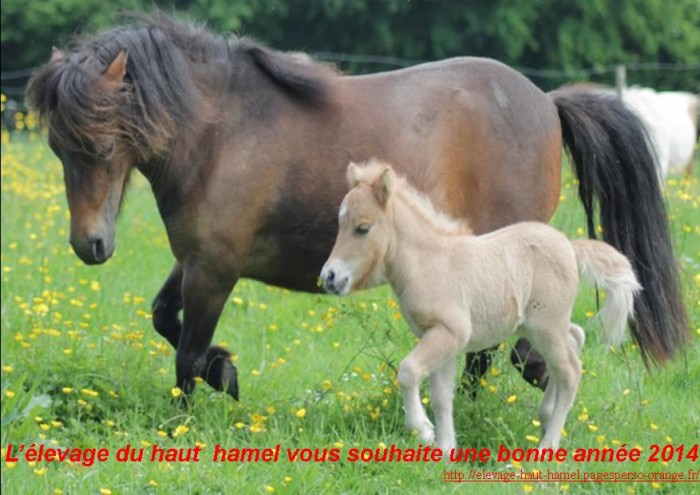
[362,229]
[106,153]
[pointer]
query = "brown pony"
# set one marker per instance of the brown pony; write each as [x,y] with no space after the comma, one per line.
[245,149]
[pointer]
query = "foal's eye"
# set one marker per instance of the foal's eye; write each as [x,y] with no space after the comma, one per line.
[362,229]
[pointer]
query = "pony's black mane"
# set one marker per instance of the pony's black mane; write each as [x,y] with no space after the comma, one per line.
[160,95]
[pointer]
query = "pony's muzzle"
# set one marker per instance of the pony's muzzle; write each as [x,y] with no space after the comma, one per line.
[333,282]
[92,250]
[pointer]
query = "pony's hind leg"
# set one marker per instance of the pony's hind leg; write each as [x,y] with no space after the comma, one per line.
[561,353]
[476,366]
[437,346]
[530,364]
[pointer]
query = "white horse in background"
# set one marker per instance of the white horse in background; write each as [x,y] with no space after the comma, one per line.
[459,291]
[671,118]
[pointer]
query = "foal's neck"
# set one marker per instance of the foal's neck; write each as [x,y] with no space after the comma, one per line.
[419,233]
[415,214]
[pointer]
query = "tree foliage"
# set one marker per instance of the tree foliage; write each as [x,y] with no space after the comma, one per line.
[541,34]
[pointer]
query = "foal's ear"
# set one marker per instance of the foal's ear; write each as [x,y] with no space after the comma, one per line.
[117,69]
[352,175]
[56,55]
[384,186]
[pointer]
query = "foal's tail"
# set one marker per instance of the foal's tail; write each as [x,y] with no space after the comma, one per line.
[616,169]
[603,266]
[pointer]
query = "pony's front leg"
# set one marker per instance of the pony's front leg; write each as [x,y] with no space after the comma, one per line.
[437,346]
[166,306]
[204,292]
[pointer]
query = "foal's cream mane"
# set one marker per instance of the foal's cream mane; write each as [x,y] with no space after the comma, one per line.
[418,202]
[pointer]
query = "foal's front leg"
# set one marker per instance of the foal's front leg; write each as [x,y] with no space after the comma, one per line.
[442,386]
[204,292]
[436,349]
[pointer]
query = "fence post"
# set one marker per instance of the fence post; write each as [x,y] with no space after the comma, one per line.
[620,79]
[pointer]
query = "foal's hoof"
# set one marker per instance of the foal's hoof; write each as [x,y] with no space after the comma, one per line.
[220,372]
[427,435]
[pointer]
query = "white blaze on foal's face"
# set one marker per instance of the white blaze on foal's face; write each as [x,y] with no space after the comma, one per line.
[357,259]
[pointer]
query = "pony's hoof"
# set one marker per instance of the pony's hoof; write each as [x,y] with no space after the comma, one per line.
[183,401]
[221,374]
[230,379]
[469,387]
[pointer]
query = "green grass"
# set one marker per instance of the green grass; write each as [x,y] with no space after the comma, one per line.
[82,367]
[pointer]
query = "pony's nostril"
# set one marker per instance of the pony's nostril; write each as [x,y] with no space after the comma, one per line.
[98,249]
[331,276]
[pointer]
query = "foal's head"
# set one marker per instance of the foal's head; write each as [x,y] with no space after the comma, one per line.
[357,259]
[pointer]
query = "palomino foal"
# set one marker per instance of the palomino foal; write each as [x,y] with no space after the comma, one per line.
[459,291]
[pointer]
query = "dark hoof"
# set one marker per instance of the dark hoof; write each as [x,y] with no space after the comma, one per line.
[182,401]
[476,366]
[220,372]
[469,387]
[530,364]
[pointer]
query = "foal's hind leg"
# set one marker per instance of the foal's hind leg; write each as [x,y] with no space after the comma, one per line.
[577,337]
[435,349]
[576,340]
[560,350]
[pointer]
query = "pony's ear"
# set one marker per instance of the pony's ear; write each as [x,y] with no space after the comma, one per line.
[352,175]
[117,69]
[56,55]
[384,186]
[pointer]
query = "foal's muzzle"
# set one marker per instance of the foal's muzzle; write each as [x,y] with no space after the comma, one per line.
[334,283]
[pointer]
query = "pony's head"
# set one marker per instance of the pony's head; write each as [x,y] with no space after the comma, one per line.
[117,100]
[79,99]
[357,259]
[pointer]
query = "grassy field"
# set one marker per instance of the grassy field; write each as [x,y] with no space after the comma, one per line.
[83,368]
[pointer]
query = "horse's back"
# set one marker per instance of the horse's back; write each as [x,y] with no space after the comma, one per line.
[679,113]
[671,119]
[474,134]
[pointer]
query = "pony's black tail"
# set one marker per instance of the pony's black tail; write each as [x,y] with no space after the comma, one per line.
[616,169]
